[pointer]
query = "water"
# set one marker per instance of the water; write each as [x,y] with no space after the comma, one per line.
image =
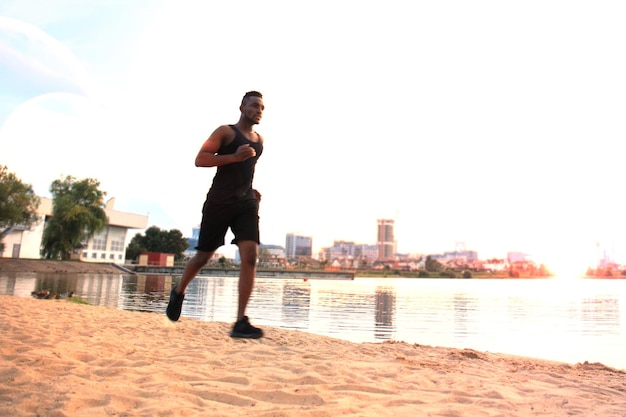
[569,320]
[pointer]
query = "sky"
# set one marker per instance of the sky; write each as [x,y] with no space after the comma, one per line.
[496,125]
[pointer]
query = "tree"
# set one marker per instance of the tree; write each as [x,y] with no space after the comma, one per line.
[157,240]
[134,248]
[77,215]
[433,265]
[18,203]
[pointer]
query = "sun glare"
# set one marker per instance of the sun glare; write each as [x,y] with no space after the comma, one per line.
[567,267]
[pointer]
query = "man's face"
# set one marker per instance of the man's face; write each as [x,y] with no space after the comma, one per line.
[252,109]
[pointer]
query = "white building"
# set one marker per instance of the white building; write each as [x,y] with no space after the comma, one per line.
[107,246]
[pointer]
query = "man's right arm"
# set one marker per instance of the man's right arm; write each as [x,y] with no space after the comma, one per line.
[208,157]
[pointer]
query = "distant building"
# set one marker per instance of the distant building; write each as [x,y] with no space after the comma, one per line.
[298,245]
[156,259]
[340,250]
[192,242]
[108,245]
[345,253]
[385,240]
[513,257]
[367,253]
[271,256]
[467,255]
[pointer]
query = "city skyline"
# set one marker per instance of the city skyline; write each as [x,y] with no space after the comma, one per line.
[457,247]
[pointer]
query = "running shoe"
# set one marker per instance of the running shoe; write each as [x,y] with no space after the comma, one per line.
[243,329]
[175,306]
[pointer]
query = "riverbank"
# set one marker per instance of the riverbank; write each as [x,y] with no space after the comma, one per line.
[43,266]
[80,267]
[60,358]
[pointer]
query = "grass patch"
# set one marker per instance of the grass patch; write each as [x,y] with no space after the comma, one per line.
[78,300]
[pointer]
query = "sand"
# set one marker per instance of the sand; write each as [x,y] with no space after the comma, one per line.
[60,358]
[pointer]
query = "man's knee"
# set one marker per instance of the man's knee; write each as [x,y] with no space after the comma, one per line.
[249,253]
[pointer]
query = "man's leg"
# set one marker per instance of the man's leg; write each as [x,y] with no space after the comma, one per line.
[195,264]
[177,295]
[249,251]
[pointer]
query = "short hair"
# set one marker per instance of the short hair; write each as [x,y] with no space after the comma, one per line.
[251,94]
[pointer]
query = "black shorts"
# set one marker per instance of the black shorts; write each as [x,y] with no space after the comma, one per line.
[242,217]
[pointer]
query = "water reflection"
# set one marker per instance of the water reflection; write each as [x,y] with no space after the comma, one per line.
[464,305]
[296,305]
[143,292]
[97,289]
[571,320]
[600,315]
[385,306]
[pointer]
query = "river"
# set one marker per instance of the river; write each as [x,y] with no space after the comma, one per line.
[566,319]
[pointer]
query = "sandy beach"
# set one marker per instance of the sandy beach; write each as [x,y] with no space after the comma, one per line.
[60,358]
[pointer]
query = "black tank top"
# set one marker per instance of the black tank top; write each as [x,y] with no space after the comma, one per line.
[233,182]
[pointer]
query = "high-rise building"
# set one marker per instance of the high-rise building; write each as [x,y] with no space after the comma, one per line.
[365,252]
[298,245]
[192,242]
[385,241]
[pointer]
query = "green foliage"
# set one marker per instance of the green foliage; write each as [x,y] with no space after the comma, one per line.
[433,265]
[78,300]
[134,248]
[157,240]
[18,202]
[77,214]
[467,274]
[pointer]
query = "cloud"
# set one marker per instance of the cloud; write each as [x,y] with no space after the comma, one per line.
[35,63]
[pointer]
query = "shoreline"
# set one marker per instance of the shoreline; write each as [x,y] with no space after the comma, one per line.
[60,358]
[81,267]
[47,266]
